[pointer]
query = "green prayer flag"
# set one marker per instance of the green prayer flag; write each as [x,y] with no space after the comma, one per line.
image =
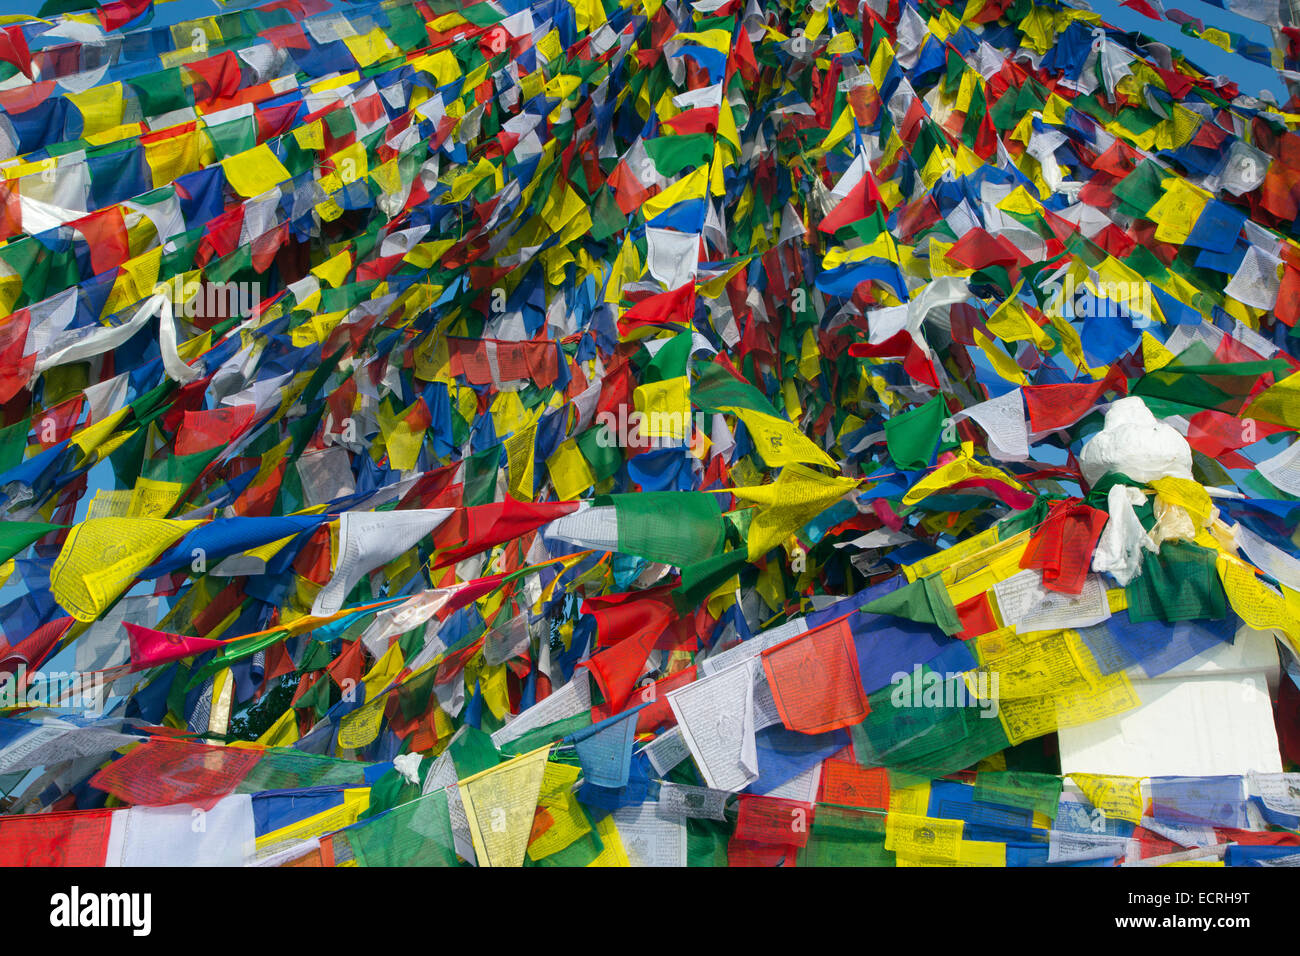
[677,528]
[913,437]
[1181,583]
[925,601]
[15,536]
[417,833]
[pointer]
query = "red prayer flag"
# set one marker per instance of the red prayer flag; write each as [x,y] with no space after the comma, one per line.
[915,362]
[860,203]
[849,784]
[221,74]
[13,49]
[348,666]
[150,648]
[203,431]
[73,838]
[761,819]
[977,249]
[32,651]
[1287,309]
[105,232]
[161,772]
[746,853]
[676,306]
[1142,7]
[1060,406]
[121,12]
[480,527]
[1214,433]
[976,617]
[1062,546]
[632,623]
[15,368]
[11,209]
[815,681]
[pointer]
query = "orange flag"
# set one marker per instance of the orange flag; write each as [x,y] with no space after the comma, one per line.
[815,681]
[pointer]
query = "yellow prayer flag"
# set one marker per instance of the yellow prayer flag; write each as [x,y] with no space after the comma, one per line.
[402,439]
[360,727]
[283,732]
[568,823]
[520,463]
[351,163]
[779,442]
[101,107]
[923,838]
[1002,363]
[613,854]
[496,694]
[499,806]
[102,556]
[385,671]
[1117,797]
[334,269]
[1177,210]
[550,46]
[254,171]
[88,438]
[1012,323]
[843,42]
[136,280]
[569,471]
[958,470]
[1256,603]
[1279,404]
[311,136]
[665,408]
[796,497]
[173,157]
[355,801]
[371,48]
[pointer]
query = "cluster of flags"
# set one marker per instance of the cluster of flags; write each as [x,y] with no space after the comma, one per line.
[584,432]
